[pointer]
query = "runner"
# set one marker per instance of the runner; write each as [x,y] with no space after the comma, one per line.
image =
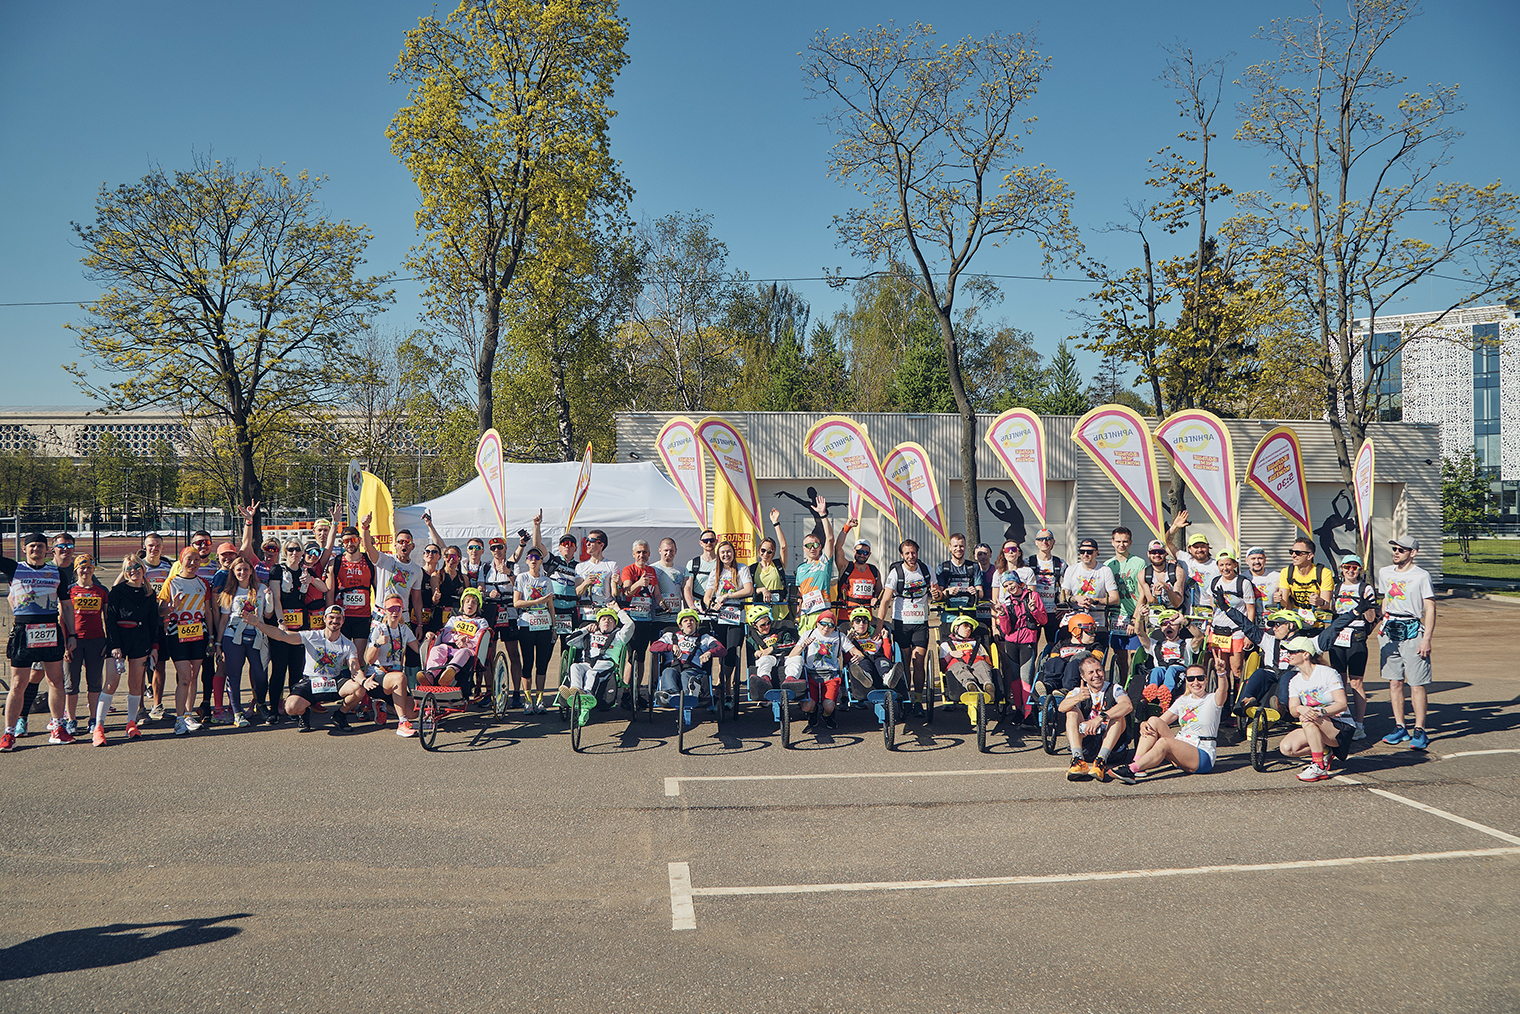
[640,595]
[1317,698]
[1162,582]
[1348,653]
[730,585]
[906,590]
[131,622]
[85,648]
[156,569]
[36,636]
[1197,564]
[474,559]
[859,580]
[1305,585]
[1192,747]
[1020,615]
[596,578]
[185,609]
[771,587]
[1128,572]
[671,598]
[1097,713]
[1264,580]
[984,572]
[1088,584]
[1049,573]
[1409,623]
[330,665]
[238,641]
[957,587]
[699,570]
[497,581]
[815,574]
[391,638]
[351,584]
[537,604]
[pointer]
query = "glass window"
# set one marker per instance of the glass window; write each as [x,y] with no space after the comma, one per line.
[1384,361]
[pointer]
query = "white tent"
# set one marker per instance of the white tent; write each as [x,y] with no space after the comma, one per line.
[628,502]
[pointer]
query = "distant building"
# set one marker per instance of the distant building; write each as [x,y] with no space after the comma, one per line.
[1462,375]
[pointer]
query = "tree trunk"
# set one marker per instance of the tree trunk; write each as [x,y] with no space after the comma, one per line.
[969,434]
[562,413]
[486,406]
[252,486]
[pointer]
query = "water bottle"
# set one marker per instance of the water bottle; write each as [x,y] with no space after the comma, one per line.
[121,667]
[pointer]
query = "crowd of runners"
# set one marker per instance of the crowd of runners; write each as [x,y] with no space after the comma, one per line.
[240,635]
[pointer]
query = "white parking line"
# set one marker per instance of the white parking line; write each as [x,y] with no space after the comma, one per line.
[673,785]
[1502,836]
[683,915]
[1475,753]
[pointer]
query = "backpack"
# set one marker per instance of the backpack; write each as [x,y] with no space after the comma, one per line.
[842,588]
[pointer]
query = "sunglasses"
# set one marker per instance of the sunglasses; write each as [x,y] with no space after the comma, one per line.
[404,545]
[1196,679]
[708,542]
[812,545]
[1301,552]
[133,569]
[1087,552]
[430,552]
[313,553]
[767,552]
[1010,549]
[534,556]
[826,624]
[1045,540]
[475,546]
[69,545]
[451,556]
[393,609]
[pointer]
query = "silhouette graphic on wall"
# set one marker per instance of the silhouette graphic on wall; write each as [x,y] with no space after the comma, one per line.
[1342,518]
[1006,509]
[808,503]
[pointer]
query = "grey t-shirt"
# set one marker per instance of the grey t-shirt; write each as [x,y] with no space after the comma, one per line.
[672,589]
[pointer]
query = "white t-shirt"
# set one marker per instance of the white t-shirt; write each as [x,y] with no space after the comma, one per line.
[1316,690]
[502,581]
[1095,583]
[1195,592]
[672,584]
[1404,592]
[910,593]
[392,654]
[327,662]
[1266,586]
[1197,721]
[825,652]
[732,613]
[1239,592]
[1046,578]
[601,591]
[392,577]
[530,587]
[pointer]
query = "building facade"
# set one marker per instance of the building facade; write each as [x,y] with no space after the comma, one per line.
[1082,502]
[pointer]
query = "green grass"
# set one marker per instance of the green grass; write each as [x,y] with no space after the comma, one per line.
[1495,558]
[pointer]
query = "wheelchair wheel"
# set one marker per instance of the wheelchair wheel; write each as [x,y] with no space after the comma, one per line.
[1049,732]
[889,726]
[929,699]
[428,716]
[501,686]
[981,725]
[1259,739]
[575,727]
[786,722]
[680,700]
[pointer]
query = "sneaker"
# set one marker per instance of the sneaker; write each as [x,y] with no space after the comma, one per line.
[828,722]
[133,732]
[242,721]
[662,698]
[70,726]
[1360,733]
[1419,741]
[1099,769]
[203,713]
[1124,774]
[405,729]
[181,726]
[528,708]
[541,707]
[156,712]
[90,729]
[1397,736]
[1313,773]
[98,737]
[7,741]
[303,722]
[380,715]
[340,718]
[1079,771]
[61,735]
[220,717]
[20,729]
[192,722]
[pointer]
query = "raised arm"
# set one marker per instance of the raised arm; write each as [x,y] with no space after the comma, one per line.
[821,508]
[783,560]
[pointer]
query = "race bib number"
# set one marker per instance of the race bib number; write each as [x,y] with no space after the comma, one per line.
[562,623]
[192,631]
[87,604]
[862,589]
[356,598]
[915,610]
[535,619]
[670,603]
[466,628]
[324,684]
[639,606]
[41,635]
[1221,641]
[730,614]
[1343,639]
[293,619]
[446,614]
[813,601]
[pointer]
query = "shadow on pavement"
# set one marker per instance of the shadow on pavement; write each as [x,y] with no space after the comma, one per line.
[118,943]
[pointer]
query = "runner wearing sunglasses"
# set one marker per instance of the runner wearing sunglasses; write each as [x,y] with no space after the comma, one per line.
[1193,744]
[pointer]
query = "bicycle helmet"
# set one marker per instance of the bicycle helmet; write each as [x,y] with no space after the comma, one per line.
[1079,622]
[683,614]
[860,613]
[1166,616]
[607,611]
[963,619]
[1285,616]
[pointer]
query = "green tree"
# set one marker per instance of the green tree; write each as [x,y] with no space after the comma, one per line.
[928,135]
[506,124]
[923,379]
[230,297]
[1468,504]
[1064,393]
[828,372]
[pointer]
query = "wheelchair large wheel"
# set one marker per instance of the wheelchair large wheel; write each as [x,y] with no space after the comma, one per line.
[427,735]
[929,698]
[786,723]
[1259,739]
[1049,716]
[981,725]
[501,686]
[575,727]
[889,726]
[680,723]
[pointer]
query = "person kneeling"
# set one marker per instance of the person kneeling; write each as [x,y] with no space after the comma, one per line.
[1317,698]
[385,661]
[1096,713]
[1191,746]
[332,666]
[821,655]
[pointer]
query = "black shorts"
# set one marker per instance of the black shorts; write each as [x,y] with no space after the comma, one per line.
[1350,661]
[356,628]
[188,651]
[20,655]
[910,635]
[302,688]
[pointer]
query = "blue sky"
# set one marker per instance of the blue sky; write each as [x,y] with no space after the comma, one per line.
[712,116]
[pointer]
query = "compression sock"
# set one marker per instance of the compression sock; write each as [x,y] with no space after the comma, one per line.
[218,688]
[30,698]
[103,708]
[134,701]
[1103,754]
[1318,759]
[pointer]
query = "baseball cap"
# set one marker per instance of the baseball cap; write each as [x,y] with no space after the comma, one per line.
[1225,554]
[1351,558]
[225,547]
[334,608]
[862,542]
[567,537]
[1302,644]
[1087,544]
[34,538]
[497,540]
[396,599]
[1256,551]
[1156,546]
[1198,539]
[1405,542]
[1044,533]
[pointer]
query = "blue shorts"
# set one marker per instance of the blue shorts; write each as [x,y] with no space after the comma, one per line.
[1205,762]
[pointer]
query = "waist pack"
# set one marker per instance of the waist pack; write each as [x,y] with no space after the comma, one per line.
[1401,630]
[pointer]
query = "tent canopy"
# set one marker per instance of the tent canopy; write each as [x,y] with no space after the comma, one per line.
[629,501]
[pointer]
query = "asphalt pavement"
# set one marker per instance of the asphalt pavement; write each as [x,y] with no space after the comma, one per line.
[267,870]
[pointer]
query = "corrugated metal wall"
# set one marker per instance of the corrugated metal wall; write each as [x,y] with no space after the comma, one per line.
[1083,503]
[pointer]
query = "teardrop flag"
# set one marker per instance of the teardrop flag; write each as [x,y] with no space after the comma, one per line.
[1118,441]
[582,487]
[493,475]
[1276,469]
[911,479]
[842,446]
[682,454]
[1198,446]
[1017,437]
[735,466]
[1364,485]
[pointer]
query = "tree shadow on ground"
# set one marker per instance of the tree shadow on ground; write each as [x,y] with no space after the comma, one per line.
[118,943]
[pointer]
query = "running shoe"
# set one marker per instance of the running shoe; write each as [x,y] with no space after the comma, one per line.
[1314,773]
[528,708]
[380,715]
[133,732]
[828,722]
[70,726]
[7,741]
[541,707]
[1360,733]
[1079,771]
[405,729]
[1397,736]
[340,718]
[203,713]
[1419,741]
[156,712]
[1124,774]
[180,726]
[1099,769]
[61,735]
[221,717]
[242,721]
[303,722]
[98,738]
[192,723]
[20,729]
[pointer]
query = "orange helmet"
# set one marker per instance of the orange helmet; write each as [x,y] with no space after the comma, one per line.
[1078,621]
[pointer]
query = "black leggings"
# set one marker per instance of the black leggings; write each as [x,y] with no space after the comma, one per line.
[283,658]
[536,647]
[732,636]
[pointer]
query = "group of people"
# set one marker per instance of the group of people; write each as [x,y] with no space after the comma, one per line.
[335,625]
